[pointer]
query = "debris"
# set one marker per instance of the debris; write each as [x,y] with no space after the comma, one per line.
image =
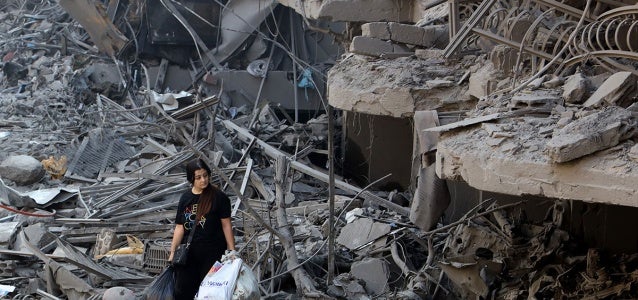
[618,90]
[374,272]
[21,169]
[597,131]
[576,88]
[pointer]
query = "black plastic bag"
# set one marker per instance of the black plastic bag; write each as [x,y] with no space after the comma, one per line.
[162,287]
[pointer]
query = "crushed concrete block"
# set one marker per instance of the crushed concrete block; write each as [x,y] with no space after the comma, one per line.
[360,232]
[598,131]
[374,272]
[375,47]
[22,169]
[8,268]
[575,88]
[616,90]
[535,99]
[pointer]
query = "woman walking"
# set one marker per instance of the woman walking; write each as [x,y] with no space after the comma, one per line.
[206,208]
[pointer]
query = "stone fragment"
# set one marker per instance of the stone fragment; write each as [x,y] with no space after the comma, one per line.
[22,169]
[374,272]
[633,152]
[618,89]
[575,88]
[598,131]
[375,47]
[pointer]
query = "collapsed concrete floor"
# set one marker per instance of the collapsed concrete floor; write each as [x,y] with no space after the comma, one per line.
[94,137]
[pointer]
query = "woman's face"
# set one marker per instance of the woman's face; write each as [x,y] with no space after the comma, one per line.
[200,181]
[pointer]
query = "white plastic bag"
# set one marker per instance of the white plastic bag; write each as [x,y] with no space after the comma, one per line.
[247,286]
[221,284]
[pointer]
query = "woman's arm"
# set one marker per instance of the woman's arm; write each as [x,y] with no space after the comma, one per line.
[227,227]
[178,234]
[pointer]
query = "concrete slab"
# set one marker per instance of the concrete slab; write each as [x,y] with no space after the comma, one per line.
[526,169]
[601,130]
[615,90]
[392,88]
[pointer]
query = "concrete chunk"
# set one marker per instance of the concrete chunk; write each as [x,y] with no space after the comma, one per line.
[379,30]
[592,133]
[575,88]
[374,272]
[360,232]
[22,169]
[616,90]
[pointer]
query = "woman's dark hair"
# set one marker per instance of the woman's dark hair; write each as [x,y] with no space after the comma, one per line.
[206,198]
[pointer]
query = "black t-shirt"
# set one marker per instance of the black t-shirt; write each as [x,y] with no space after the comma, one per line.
[209,229]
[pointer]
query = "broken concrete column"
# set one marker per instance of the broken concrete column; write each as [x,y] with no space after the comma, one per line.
[576,88]
[374,272]
[375,47]
[22,169]
[592,133]
[618,89]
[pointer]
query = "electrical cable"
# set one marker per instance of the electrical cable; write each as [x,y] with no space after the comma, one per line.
[27,213]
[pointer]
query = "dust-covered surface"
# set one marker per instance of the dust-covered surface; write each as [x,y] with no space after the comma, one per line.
[424,82]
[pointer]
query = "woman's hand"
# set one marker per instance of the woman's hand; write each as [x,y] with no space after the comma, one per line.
[170,256]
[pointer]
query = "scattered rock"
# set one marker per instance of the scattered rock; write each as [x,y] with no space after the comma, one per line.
[576,88]
[22,169]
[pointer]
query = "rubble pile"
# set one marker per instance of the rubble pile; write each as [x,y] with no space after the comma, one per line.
[94,143]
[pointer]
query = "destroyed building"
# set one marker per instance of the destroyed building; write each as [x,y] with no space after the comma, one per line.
[410,149]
